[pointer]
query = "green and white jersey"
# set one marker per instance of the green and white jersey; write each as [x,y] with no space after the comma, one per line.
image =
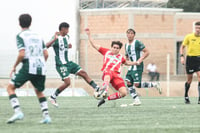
[60,47]
[134,51]
[34,46]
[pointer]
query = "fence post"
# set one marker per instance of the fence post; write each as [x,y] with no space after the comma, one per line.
[168,75]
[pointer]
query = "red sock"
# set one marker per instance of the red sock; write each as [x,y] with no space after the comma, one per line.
[114,96]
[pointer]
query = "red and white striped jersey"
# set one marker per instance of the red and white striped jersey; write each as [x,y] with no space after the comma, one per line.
[111,62]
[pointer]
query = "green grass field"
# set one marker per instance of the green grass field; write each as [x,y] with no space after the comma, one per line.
[80,115]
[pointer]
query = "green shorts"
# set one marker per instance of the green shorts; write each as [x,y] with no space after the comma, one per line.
[134,76]
[38,81]
[65,70]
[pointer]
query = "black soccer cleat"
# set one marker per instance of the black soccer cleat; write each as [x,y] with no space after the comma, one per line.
[187,100]
[102,101]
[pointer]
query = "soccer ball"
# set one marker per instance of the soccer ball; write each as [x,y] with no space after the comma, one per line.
[100,95]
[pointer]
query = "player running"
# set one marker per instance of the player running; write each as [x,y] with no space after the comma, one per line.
[61,43]
[33,55]
[112,62]
[136,51]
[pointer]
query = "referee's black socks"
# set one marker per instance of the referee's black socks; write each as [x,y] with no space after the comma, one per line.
[187,87]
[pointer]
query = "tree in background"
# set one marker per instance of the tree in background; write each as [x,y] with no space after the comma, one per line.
[186,5]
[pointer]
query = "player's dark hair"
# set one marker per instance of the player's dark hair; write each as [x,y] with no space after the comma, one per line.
[63,25]
[25,20]
[197,23]
[131,30]
[120,44]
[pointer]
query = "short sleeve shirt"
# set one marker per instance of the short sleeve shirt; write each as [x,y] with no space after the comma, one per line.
[111,62]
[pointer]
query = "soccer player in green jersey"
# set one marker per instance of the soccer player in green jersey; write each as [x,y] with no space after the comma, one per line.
[192,42]
[33,55]
[61,43]
[136,51]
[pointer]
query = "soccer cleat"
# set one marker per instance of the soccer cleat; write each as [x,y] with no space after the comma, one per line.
[187,100]
[17,116]
[102,101]
[136,103]
[158,87]
[53,101]
[46,120]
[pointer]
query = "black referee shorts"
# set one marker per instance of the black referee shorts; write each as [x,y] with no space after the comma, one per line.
[192,64]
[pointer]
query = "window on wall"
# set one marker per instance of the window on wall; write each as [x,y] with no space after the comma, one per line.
[180,69]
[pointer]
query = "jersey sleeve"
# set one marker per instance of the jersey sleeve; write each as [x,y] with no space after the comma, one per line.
[20,43]
[141,45]
[186,40]
[103,50]
[68,39]
[43,45]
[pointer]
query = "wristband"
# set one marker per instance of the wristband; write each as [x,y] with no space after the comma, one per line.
[181,55]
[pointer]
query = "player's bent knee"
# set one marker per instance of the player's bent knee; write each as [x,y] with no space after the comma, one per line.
[82,73]
[11,89]
[67,82]
[129,84]
[123,92]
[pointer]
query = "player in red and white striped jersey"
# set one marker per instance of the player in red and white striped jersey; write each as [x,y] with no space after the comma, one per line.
[112,63]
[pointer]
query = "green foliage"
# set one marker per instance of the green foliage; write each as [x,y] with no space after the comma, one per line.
[80,115]
[186,5]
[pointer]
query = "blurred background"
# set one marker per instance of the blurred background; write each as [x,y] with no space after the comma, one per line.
[160,24]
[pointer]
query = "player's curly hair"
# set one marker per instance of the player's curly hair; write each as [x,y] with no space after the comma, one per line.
[25,20]
[120,44]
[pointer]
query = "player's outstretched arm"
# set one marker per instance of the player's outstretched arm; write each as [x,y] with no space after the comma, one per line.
[91,40]
[53,40]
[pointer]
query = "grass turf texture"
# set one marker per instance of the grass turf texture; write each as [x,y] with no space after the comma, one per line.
[80,115]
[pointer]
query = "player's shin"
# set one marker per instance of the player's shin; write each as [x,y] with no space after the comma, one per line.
[14,102]
[44,106]
[94,85]
[18,115]
[187,87]
[55,94]
[45,113]
[132,92]
[105,85]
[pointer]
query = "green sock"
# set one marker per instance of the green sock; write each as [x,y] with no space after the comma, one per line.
[44,106]
[94,85]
